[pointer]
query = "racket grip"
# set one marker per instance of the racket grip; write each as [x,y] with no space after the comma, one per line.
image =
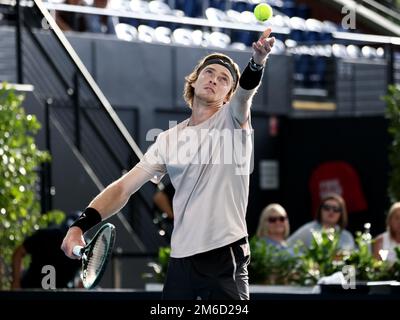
[77,250]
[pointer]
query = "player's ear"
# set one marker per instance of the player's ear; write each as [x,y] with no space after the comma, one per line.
[228,97]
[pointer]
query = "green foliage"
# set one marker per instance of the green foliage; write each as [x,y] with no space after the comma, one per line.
[271,265]
[396,265]
[258,267]
[159,268]
[322,258]
[304,265]
[367,267]
[393,114]
[20,212]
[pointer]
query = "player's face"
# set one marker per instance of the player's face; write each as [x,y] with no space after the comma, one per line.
[213,84]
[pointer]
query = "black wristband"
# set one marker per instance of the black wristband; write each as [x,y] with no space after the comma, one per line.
[255,66]
[87,220]
[250,79]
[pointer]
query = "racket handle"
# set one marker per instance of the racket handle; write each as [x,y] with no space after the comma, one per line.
[77,250]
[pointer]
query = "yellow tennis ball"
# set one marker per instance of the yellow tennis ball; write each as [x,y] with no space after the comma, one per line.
[263,12]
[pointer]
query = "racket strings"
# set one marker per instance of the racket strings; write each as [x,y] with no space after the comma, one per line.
[96,258]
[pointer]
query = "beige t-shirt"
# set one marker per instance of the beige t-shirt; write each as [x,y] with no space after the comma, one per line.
[209,166]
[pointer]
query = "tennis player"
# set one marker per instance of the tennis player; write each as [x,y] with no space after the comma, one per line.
[208,158]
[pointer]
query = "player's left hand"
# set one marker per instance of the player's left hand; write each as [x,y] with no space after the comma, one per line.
[263,47]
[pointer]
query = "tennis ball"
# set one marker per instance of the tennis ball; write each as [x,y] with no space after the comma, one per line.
[263,12]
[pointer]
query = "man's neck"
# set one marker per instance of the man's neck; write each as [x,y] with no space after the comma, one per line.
[201,112]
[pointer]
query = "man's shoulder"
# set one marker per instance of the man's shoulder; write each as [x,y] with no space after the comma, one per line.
[173,129]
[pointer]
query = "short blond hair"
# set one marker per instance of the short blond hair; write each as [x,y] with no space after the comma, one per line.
[263,223]
[188,91]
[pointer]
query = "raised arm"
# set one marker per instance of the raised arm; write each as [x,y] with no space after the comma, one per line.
[111,200]
[251,78]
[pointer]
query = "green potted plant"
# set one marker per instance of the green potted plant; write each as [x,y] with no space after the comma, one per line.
[159,268]
[20,213]
[393,115]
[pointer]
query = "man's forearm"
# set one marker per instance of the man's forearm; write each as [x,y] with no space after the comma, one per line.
[113,198]
[248,85]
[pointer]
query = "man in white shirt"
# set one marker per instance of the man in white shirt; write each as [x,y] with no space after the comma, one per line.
[208,158]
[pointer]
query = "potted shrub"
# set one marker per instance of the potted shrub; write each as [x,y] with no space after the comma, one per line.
[20,213]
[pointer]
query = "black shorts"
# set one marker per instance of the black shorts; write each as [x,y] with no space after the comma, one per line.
[219,274]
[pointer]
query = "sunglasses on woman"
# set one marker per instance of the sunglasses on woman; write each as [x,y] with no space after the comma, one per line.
[275,219]
[335,209]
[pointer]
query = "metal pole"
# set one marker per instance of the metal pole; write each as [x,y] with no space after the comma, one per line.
[49,180]
[18,42]
[77,113]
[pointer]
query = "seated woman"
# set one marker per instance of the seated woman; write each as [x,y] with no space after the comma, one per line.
[273,226]
[384,244]
[332,213]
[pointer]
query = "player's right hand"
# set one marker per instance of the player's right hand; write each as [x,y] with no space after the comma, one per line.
[74,237]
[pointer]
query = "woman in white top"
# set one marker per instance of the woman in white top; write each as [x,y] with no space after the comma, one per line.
[385,243]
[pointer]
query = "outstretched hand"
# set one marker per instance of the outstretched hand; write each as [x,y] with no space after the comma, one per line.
[263,47]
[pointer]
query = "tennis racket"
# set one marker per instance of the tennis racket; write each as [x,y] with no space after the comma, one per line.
[95,255]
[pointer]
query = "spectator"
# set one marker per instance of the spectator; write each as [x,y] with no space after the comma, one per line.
[385,243]
[273,226]
[332,213]
[44,248]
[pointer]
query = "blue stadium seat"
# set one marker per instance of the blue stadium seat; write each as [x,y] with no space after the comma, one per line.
[163,35]
[298,29]
[182,36]
[219,40]
[126,32]
[242,36]
[314,30]
[159,7]
[218,4]
[215,15]
[279,47]
[240,5]
[339,50]
[353,51]
[191,8]
[289,8]
[146,33]
[303,11]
